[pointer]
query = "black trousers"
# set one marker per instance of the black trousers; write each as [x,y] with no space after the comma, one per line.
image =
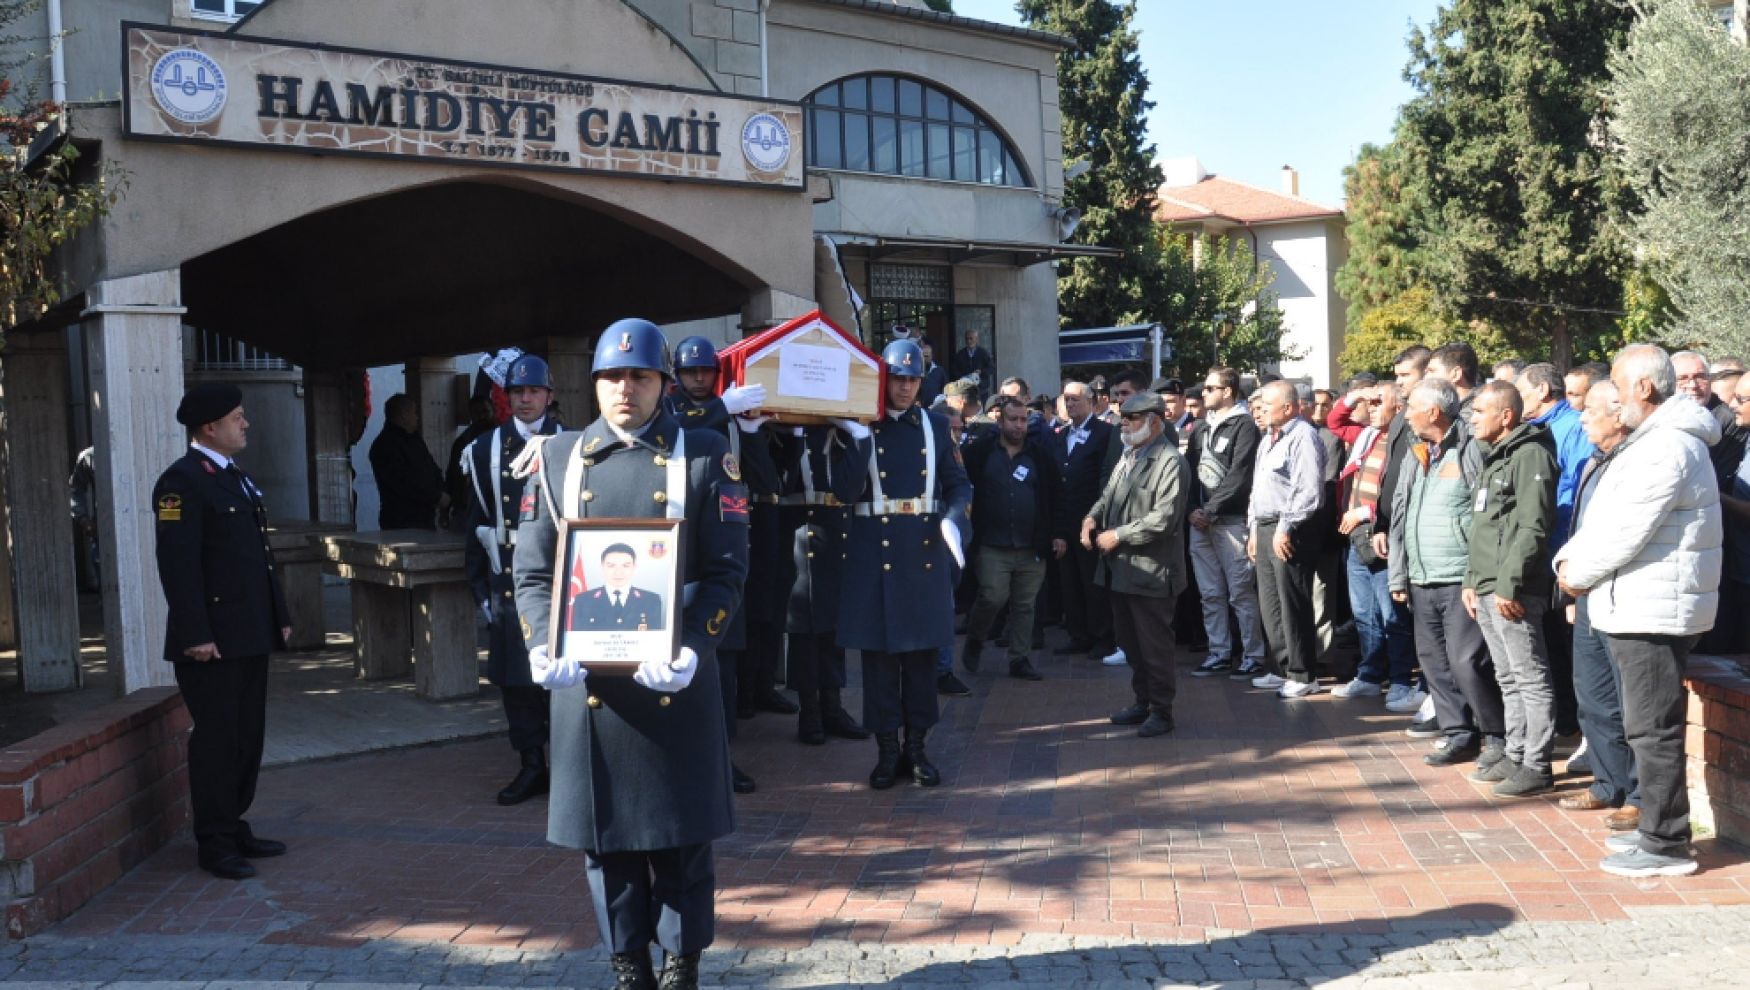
[526,709]
[899,689]
[1455,661]
[1654,702]
[758,668]
[1558,638]
[816,663]
[1286,600]
[728,677]
[227,701]
[1145,633]
[1087,614]
[666,896]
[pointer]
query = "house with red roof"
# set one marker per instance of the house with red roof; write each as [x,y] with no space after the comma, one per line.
[1303,242]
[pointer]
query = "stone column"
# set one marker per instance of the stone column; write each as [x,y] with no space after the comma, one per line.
[326,395]
[45,585]
[133,329]
[431,382]
[766,308]
[569,359]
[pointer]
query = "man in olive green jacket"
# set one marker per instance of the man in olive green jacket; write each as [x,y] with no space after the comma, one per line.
[1507,584]
[1138,527]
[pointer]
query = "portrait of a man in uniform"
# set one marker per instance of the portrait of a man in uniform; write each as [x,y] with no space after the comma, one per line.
[616,605]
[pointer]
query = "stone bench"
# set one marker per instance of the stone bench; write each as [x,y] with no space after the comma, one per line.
[299,556]
[411,607]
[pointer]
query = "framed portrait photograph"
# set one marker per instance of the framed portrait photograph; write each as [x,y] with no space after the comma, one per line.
[617,593]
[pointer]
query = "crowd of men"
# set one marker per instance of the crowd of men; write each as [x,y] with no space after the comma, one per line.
[1516,559]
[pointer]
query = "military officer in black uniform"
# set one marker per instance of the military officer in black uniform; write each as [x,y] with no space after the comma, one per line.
[227,611]
[641,764]
[494,496]
[617,604]
[817,525]
[908,528]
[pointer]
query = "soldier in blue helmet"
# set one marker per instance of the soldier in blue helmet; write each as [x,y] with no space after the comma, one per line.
[640,778]
[749,654]
[494,497]
[908,527]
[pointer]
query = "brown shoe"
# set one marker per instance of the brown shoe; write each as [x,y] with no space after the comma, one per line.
[1624,819]
[1583,801]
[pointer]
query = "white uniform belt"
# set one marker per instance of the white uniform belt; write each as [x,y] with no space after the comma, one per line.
[897,507]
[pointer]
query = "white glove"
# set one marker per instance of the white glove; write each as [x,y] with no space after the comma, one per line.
[751,424]
[738,399]
[668,677]
[951,534]
[554,674]
[857,430]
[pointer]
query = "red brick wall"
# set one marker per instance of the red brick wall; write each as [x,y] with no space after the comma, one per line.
[86,801]
[1717,747]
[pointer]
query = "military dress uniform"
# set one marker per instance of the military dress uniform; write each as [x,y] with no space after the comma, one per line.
[221,587]
[897,599]
[641,779]
[816,461]
[495,496]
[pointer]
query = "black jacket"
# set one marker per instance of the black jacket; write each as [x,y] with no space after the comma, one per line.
[963,363]
[1084,469]
[409,482]
[1051,517]
[1224,454]
[214,562]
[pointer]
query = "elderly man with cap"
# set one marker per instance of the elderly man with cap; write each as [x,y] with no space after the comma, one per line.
[640,764]
[1138,528]
[227,612]
[494,495]
[897,604]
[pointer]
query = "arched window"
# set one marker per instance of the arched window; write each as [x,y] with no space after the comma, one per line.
[900,126]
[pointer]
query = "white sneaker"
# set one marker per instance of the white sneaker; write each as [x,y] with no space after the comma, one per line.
[1425,710]
[1356,688]
[1292,690]
[1409,699]
[1116,659]
[1269,682]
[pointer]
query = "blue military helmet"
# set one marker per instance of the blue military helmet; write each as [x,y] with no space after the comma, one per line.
[905,358]
[528,371]
[632,343]
[695,352]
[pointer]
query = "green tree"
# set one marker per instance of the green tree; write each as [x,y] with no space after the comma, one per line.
[940,6]
[1219,304]
[1507,126]
[1680,99]
[41,207]
[1383,195]
[1382,332]
[1103,94]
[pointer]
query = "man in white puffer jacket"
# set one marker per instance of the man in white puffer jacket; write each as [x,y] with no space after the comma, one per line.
[1647,553]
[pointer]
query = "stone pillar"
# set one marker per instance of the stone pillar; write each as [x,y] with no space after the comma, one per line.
[133,329]
[431,382]
[766,308]
[569,358]
[45,586]
[326,397]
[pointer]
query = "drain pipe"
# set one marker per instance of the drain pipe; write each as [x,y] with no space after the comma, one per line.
[765,62]
[57,56]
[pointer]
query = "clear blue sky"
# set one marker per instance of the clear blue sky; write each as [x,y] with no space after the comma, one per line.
[1251,87]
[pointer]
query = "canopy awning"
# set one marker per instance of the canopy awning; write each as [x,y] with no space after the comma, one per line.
[1019,254]
[1134,344]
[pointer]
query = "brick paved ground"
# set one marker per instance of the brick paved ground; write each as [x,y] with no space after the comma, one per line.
[1263,840]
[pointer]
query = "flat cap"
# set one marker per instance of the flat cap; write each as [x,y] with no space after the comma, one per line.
[208,401]
[1144,402]
[960,386]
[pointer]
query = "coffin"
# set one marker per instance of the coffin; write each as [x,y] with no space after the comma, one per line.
[812,370]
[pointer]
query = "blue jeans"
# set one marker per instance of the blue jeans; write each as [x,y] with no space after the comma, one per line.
[1598,692]
[1382,625]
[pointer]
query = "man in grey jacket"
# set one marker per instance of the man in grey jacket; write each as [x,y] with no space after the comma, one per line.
[1138,528]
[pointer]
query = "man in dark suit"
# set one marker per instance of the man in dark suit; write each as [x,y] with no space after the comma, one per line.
[227,611]
[410,485]
[618,605]
[640,764]
[974,359]
[1081,449]
[935,376]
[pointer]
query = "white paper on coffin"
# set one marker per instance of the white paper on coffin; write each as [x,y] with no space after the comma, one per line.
[807,371]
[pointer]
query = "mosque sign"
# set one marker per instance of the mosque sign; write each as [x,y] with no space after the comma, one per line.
[201,87]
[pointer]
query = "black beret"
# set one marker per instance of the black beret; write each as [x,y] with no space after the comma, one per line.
[207,402]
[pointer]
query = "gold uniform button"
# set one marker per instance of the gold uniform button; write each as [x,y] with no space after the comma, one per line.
[509,594]
[506,499]
[883,474]
[885,520]
[594,702]
[589,462]
[885,543]
[665,701]
[587,495]
[660,496]
[880,450]
[925,472]
[887,567]
[925,451]
[928,565]
[811,555]
[660,460]
[504,474]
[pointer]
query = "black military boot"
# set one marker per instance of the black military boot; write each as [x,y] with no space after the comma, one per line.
[836,720]
[809,728]
[886,761]
[632,971]
[767,698]
[530,780]
[680,972]
[742,783]
[922,770]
